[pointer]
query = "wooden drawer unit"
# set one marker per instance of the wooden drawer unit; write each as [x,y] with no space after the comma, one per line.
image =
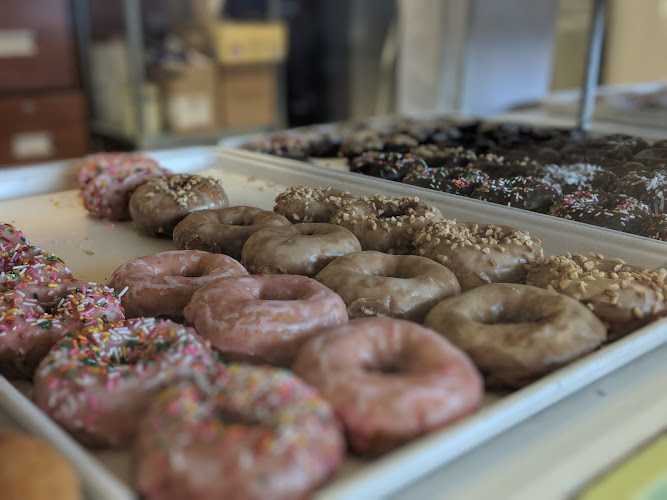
[43,127]
[36,46]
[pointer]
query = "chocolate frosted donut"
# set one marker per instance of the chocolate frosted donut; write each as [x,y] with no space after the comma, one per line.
[651,188]
[162,202]
[577,177]
[224,230]
[653,157]
[283,146]
[399,143]
[455,180]
[386,165]
[658,228]
[304,204]
[614,211]
[361,141]
[517,333]
[527,193]
[623,296]
[303,249]
[378,284]
[386,224]
[479,254]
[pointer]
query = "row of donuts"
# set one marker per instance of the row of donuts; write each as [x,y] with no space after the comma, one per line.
[97,381]
[445,257]
[616,181]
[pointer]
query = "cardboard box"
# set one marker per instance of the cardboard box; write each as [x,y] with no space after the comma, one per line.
[249,42]
[188,95]
[247,96]
[43,127]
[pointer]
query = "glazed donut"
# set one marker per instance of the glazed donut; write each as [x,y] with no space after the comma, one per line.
[263,318]
[114,163]
[224,230]
[107,196]
[252,433]
[30,325]
[613,211]
[386,165]
[161,284]
[303,249]
[96,383]
[386,224]
[389,380]
[162,202]
[527,193]
[379,284]
[517,333]
[478,254]
[34,470]
[304,204]
[623,296]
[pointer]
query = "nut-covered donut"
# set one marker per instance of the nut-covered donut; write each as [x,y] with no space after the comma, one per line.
[386,224]
[517,333]
[161,284]
[263,318]
[97,383]
[625,297]
[251,433]
[379,284]
[389,380]
[224,230]
[162,202]
[297,249]
[304,204]
[478,254]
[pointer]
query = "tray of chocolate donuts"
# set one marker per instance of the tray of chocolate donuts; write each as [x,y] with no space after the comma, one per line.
[614,180]
[266,329]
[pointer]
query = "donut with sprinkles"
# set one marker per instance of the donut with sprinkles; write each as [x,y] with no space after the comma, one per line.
[114,163]
[31,323]
[388,165]
[252,432]
[97,382]
[527,193]
[599,208]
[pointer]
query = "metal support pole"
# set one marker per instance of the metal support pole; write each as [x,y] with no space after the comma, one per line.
[135,42]
[596,37]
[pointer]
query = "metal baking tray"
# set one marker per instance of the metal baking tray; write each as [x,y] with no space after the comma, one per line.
[94,248]
[613,104]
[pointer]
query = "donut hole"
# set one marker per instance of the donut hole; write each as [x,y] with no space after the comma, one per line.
[388,211]
[384,367]
[510,315]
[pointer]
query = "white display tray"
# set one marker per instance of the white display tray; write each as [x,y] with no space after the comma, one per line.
[94,248]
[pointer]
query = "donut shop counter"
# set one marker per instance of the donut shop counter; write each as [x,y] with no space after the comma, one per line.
[555,438]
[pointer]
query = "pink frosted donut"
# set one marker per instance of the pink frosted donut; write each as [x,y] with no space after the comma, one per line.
[253,433]
[32,322]
[108,195]
[263,318]
[389,380]
[10,236]
[96,383]
[161,284]
[24,263]
[113,163]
